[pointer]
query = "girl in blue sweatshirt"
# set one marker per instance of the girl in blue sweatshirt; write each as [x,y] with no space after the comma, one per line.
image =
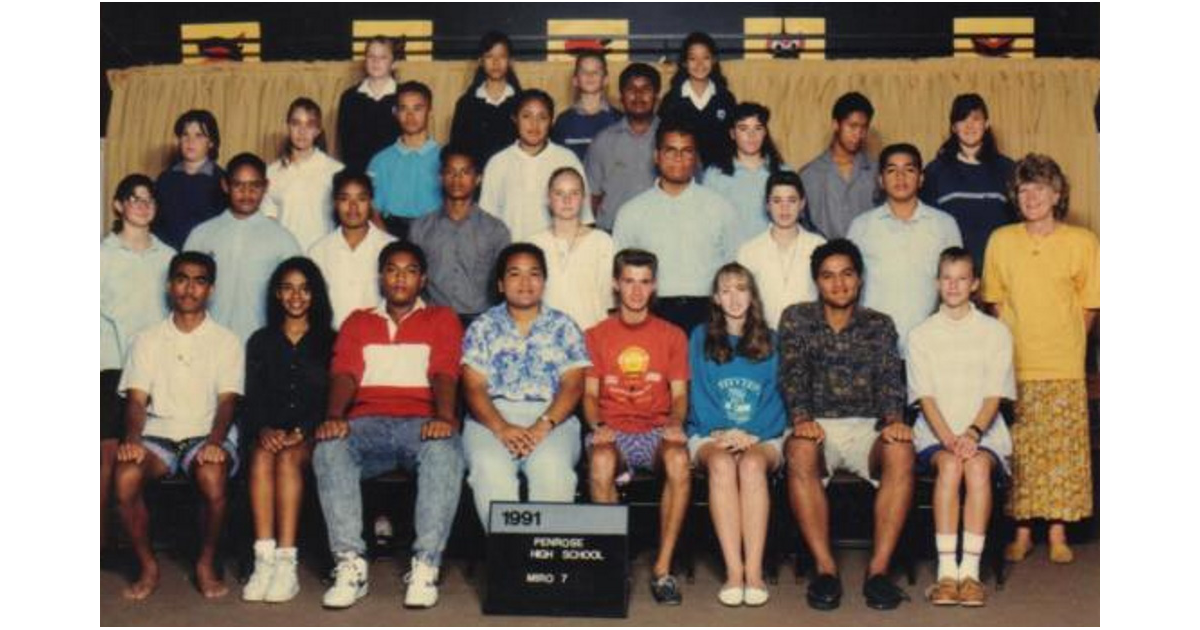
[736,426]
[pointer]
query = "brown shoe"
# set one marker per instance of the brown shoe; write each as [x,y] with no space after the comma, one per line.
[1060,553]
[1016,551]
[944,593]
[971,593]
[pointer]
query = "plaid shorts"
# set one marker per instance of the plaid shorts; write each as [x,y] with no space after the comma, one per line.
[637,451]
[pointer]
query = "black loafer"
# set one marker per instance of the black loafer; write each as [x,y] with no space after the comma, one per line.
[881,594]
[825,592]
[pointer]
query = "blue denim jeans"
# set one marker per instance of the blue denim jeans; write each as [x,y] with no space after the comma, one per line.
[377,445]
[549,469]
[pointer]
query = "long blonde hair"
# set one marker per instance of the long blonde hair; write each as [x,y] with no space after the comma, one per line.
[755,341]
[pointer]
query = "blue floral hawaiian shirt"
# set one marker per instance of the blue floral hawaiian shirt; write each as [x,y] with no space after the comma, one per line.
[524,368]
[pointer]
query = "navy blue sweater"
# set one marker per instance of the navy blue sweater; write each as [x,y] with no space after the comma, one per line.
[976,195]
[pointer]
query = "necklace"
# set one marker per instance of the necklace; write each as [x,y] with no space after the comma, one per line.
[567,245]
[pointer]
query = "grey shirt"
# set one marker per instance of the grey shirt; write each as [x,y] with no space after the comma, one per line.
[620,165]
[461,255]
[833,202]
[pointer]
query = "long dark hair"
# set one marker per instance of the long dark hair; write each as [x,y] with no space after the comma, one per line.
[742,111]
[755,341]
[490,39]
[320,314]
[708,42]
[960,109]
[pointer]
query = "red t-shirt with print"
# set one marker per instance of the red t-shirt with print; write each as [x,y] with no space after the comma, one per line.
[635,366]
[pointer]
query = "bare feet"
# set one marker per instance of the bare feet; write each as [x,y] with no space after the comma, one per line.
[208,583]
[146,583]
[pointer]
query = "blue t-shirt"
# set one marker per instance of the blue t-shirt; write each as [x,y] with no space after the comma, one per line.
[740,394]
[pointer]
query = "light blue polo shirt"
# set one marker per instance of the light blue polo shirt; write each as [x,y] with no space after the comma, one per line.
[746,189]
[901,259]
[133,294]
[407,182]
[692,235]
[247,252]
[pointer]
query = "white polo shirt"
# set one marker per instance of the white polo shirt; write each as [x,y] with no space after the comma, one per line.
[183,373]
[516,188]
[300,196]
[352,275]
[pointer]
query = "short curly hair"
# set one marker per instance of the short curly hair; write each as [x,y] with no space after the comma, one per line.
[1042,169]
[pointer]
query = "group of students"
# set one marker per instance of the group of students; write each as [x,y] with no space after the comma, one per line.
[761,321]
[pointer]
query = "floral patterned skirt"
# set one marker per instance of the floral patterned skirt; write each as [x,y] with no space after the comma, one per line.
[1052,455]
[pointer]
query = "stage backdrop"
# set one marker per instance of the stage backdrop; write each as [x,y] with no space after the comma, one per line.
[1044,105]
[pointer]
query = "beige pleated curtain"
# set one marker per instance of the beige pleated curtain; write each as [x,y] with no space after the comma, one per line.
[1043,105]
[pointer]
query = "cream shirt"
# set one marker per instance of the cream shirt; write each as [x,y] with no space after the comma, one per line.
[783,277]
[300,196]
[579,279]
[352,275]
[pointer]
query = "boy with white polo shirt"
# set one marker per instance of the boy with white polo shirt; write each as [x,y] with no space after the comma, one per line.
[182,381]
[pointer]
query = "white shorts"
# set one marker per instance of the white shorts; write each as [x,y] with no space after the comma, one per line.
[847,446]
[697,442]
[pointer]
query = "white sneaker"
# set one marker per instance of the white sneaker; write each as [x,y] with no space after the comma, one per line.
[349,582]
[284,583]
[264,567]
[422,586]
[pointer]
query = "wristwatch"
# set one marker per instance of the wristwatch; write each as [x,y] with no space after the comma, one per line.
[547,418]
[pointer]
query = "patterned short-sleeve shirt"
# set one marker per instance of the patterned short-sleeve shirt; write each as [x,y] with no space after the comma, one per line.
[523,368]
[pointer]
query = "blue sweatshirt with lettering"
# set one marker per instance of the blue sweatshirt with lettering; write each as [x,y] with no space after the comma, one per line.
[740,394]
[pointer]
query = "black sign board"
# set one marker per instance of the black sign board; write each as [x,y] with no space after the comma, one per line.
[560,559]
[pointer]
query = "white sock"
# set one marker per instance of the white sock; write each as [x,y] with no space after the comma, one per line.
[947,545]
[972,549]
[287,554]
[264,548]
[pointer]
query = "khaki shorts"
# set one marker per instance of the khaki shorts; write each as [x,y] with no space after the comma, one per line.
[847,446]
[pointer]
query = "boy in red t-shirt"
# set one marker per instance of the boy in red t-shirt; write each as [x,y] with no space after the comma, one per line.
[636,401]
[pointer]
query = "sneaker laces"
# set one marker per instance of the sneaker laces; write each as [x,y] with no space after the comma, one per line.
[346,571]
